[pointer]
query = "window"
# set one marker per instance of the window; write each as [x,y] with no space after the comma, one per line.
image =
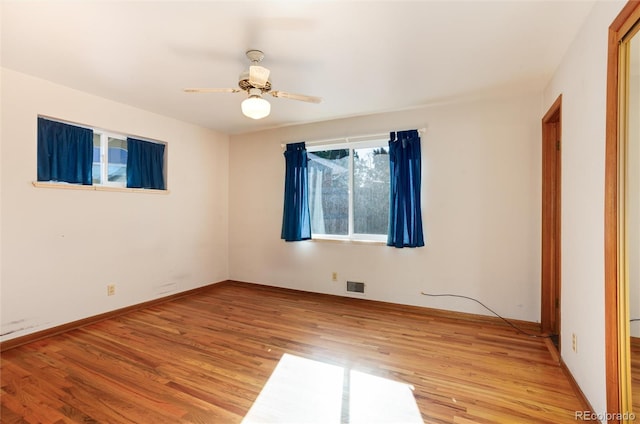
[349,191]
[82,155]
[109,159]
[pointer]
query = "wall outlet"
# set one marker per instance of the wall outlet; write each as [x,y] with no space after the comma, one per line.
[574,342]
[111,289]
[334,276]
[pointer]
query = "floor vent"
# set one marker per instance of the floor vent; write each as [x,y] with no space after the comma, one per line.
[355,287]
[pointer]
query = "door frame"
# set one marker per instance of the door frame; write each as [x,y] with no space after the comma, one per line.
[615,348]
[550,305]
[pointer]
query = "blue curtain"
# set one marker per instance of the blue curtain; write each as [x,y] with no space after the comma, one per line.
[145,164]
[65,152]
[296,221]
[405,216]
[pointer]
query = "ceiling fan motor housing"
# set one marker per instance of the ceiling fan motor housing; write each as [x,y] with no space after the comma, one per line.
[244,84]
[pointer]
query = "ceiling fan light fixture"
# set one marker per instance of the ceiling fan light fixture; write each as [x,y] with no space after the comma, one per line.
[255,107]
[256,83]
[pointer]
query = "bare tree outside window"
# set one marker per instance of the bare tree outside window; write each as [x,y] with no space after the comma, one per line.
[331,185]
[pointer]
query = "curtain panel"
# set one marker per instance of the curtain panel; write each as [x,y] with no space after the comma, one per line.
[65,152]
[145,164]
[405,214]
[296,220]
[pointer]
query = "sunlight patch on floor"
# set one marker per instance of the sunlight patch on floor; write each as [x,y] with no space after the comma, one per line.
[375,399]
[302,390]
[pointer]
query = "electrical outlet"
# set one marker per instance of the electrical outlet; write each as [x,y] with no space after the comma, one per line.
[574,342]
[111,289]
[334,276]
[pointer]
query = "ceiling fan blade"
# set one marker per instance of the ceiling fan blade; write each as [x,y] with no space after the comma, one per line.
[212,90]
[301,97]
[258,76]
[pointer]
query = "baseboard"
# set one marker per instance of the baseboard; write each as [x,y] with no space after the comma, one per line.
[576,388]
[527,326]
[19,341]
[586,405]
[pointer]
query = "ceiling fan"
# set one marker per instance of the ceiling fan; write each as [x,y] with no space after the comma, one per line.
[255,82]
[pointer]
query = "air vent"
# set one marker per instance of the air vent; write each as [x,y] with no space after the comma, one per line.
[355,287]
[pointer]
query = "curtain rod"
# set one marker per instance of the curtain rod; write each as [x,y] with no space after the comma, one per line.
[349,139]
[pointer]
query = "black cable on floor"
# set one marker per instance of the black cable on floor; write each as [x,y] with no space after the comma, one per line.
[542,336]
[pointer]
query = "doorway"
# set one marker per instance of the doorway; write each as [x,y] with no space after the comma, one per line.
[551,196]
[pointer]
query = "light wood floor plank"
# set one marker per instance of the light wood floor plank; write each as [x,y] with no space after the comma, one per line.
[206,358]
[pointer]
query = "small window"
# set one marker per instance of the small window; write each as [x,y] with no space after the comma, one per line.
[349,191]
[81,155]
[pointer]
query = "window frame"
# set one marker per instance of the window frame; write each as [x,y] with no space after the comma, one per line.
[105,184]
[376,142]
[104,157]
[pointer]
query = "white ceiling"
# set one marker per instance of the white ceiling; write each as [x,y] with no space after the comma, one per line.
[361,57]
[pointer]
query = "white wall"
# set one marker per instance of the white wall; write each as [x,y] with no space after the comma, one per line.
[481,210]
[581,79]
[60,248]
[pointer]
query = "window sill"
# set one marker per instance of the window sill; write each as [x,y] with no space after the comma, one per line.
[349,241]
[43,184]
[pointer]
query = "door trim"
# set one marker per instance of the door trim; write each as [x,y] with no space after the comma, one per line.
[551,220]
[629,14]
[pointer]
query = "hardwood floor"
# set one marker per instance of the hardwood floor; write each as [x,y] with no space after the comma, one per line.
[635,374]
[207,357]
